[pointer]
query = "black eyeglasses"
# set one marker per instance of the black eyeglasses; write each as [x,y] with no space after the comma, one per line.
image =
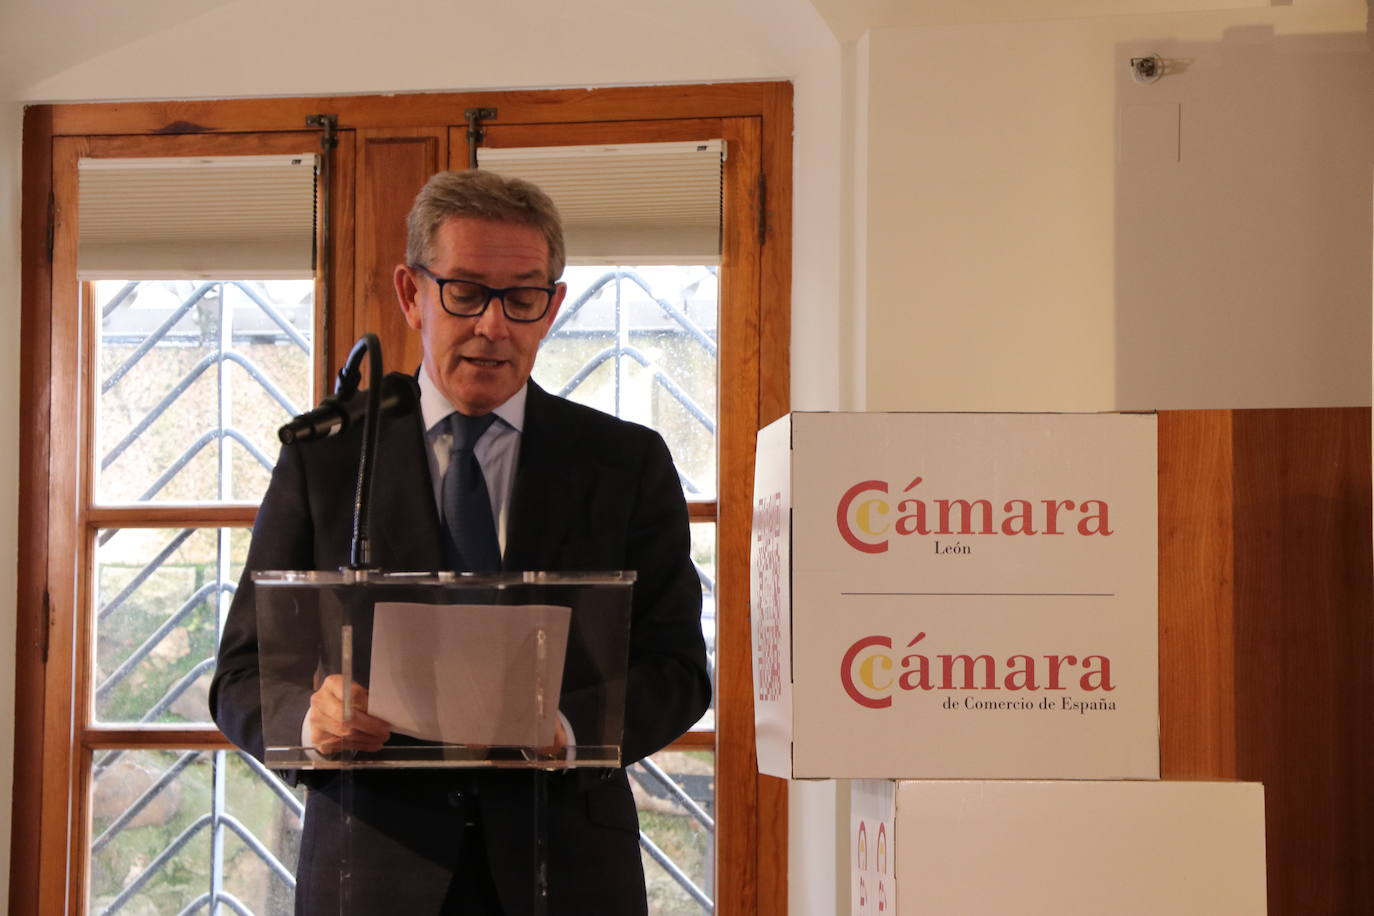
[468,299]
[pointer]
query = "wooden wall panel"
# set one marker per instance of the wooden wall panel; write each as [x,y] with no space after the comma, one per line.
[1304,618]
[1267,634]
[1196,639]
[393,164]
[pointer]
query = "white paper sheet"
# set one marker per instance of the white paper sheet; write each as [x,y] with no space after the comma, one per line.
[469,673]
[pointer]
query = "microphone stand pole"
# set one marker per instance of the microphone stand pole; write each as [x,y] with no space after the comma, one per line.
[359,564]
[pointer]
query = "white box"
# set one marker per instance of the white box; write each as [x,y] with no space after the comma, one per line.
[1056,848]
[956,596]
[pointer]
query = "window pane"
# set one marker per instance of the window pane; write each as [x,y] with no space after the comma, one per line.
[167,826]
[641,343]
[157,601]
[679,855]
[194,379]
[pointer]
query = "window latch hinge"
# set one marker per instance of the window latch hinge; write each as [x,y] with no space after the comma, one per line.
[476,132]
[328,126]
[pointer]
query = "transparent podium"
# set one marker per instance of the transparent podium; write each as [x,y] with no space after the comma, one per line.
[491,684]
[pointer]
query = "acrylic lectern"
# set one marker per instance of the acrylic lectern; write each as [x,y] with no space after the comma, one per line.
[473,672]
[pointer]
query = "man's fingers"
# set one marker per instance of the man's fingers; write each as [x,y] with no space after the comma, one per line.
[332,736]
[328,702]
[329,732]
[333,745]
[329,714]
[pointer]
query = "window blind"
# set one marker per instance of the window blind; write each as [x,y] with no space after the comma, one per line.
[638,203]
[234,216]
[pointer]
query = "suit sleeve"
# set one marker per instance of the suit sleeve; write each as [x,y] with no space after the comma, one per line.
[669,685]
[282,539]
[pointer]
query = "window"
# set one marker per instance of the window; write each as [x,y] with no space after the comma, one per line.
[641,343]
[191,378]
[86,545]
[189,333]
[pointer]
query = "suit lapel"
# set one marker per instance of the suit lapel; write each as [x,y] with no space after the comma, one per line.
[552,481]
[406,534]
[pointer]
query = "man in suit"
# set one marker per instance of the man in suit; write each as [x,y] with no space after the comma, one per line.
[570,489]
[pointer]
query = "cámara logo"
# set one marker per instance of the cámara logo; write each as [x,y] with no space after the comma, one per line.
[870,674]
[867,516]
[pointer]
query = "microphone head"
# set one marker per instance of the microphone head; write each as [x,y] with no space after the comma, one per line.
[324,420]
[400,395]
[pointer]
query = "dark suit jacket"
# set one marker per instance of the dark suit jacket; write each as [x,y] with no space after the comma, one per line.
[591,493]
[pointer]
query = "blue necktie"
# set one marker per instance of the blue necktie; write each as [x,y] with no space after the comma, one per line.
[467,507]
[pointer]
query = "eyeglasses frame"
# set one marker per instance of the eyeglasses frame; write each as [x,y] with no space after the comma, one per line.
[488,293]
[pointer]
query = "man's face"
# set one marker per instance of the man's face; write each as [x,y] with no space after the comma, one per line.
[478,363]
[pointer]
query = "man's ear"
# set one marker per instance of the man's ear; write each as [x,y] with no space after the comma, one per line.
[559,294]
[407,295]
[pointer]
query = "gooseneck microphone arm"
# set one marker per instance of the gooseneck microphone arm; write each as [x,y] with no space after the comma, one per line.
[360,550]
[346,382]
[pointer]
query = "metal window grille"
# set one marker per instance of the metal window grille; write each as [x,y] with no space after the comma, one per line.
[186,859]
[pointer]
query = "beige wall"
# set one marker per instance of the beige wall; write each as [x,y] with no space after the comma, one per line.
[261,47]
[1045,233]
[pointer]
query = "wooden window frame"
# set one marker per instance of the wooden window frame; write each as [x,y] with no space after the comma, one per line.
[751,815]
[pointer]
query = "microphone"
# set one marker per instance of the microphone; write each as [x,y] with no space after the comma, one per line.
[400,395]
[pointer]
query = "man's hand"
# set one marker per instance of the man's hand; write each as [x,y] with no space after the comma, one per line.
[560,741]
[329,733]
[560,736]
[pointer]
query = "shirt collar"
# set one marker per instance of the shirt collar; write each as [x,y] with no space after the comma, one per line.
[435,408]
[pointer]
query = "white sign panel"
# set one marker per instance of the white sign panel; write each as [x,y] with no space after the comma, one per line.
[971,596]
[1057,848]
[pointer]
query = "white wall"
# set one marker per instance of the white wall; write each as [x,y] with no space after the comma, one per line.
[1020,258]
[823,304]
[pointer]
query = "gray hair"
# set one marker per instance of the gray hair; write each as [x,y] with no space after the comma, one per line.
[479,194]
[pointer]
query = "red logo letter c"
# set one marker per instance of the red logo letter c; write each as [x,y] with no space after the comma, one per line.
[847,672]
[842,516]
